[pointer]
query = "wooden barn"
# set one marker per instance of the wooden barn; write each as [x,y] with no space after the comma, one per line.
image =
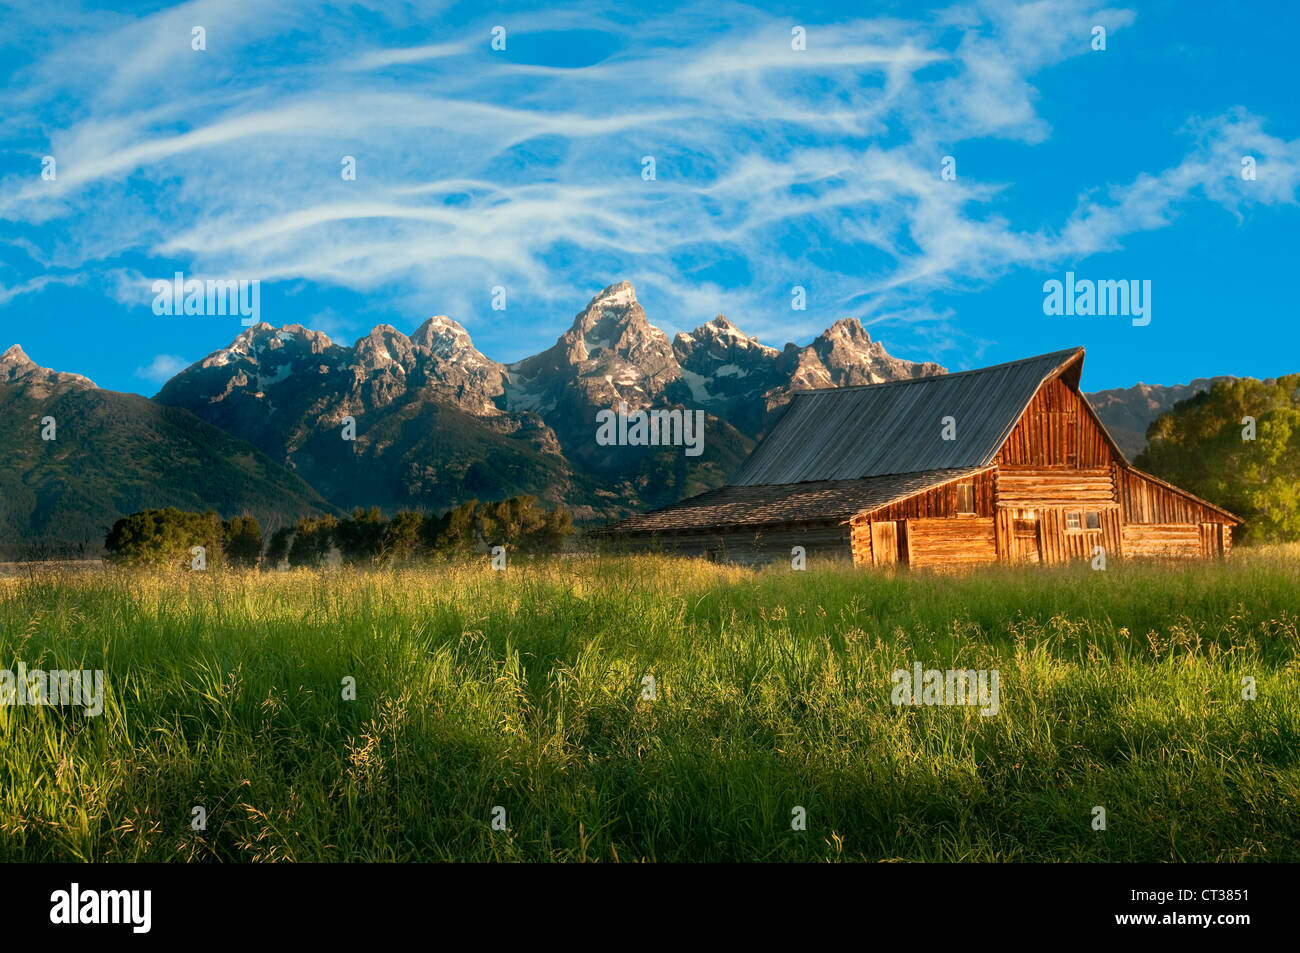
[1003,463]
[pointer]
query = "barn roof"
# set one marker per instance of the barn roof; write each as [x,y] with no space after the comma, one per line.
[871,430]
[825,500]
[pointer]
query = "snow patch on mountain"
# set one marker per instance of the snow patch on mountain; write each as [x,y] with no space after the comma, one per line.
[698,385]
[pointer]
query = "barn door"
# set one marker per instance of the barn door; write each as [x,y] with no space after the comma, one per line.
[1212,539]
[1025,543]
[884,543]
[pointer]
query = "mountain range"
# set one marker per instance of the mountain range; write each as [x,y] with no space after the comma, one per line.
[437,421]
[283,422]
[1128,411]
[77,458]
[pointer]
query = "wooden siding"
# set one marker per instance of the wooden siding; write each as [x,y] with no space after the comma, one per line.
[1216,540]
[1162,539]
[1061,544]
[941,501]
[1042,486]
[1149,501]
[950,543]
[1041,534]
[1056,430]
[876,542]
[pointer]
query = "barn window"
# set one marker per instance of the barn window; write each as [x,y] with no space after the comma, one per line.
[1093,520]
[1072,521]
[966,499]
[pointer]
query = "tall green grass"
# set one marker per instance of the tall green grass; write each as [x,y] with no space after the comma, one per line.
[523,689]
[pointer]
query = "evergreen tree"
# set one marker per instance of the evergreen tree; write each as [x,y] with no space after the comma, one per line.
[243,541]
[360,538]
[402,536]
[277,550]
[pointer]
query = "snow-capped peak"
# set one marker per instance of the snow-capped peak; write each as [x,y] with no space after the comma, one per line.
[619,294]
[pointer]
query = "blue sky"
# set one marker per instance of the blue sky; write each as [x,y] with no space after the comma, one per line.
[774,167]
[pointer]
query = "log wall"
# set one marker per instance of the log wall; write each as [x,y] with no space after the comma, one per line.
[950,543]
[1043,486]
[876,542]
[1162,539]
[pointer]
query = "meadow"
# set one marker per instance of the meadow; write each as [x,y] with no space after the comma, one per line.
[525,690]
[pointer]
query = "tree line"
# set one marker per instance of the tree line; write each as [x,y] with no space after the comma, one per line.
[173,537]
[1237,444]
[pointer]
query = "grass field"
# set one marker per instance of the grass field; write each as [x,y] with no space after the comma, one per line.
[523,689]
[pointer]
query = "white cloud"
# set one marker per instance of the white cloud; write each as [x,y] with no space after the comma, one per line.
[475,171]
[33,285]
[162,368]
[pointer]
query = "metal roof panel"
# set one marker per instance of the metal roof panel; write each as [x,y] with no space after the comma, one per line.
[850,433]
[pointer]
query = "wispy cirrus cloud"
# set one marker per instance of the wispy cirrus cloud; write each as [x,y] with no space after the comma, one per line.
[773,166]
[33,285]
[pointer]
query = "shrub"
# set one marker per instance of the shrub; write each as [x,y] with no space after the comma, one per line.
[243,541]
[402,536]
[313,539]
[360,538]
[277,551]
[164,538]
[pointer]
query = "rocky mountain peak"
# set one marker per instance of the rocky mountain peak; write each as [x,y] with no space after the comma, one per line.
[619,294]
[441,331]
[611,353]
[852,327]
[847,356]
[15,357]
[718,329]
[315,342]
[719,338]
[17,368]
[1128,411]
[447,344]
[720,326]
[450,365]
[263,343]
[384,347]
[848,337]
[615,321]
